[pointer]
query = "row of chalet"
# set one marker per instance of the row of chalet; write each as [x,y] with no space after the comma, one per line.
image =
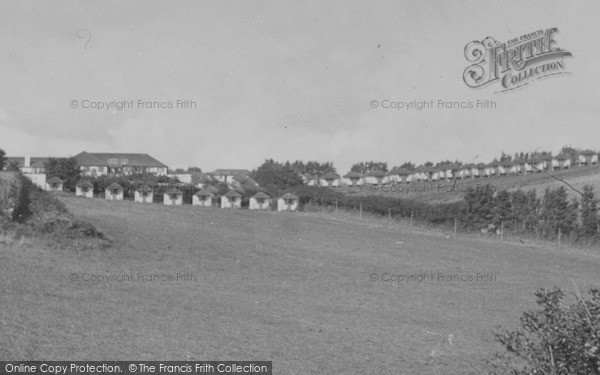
[174,197]
[422,174]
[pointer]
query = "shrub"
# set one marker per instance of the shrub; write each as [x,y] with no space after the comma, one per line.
[557,339]
[22,213]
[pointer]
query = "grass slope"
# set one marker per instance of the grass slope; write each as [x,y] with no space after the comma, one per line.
[293,288]
[450,191]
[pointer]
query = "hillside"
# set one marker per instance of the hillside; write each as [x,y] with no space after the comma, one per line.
[453,190]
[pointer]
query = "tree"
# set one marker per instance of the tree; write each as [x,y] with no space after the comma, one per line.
[589,213]
[2,158]
[276,178]
[194,170]
[12,166]
[66,169]
[408,165]
[555,212]
[369,166]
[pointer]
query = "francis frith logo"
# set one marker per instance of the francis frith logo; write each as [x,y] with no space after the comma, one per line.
[516,62]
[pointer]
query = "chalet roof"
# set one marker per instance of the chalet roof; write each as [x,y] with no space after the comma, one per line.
[84,183]
[330,176]
[480,165]
[376,173]
[144,189]
[173,191]
[352,175]
[506,163]
[117,159]
[232,193]
[231,172]
[399,172]
[55,179]
[203,193]
[588,152]
[561,157]
[113,186]
[493,163]
[261,195]
[453,167]
[287,196]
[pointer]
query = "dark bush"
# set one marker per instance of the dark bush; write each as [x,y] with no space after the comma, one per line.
[556,339]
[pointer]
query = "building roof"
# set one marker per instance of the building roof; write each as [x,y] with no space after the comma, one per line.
[37,162]
[330,176]
[232,193]
[506,163]
[480,165]
[84,183]
[117,160]
[261,195]
[203,193]
[288,196]
[86,159]
[588,152]
[55,179]
[231,172]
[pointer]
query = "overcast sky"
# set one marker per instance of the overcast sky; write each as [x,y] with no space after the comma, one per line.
[286,80]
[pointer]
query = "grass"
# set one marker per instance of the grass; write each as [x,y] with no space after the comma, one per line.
[293,288]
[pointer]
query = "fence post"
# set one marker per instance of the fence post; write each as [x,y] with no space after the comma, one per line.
[559,236]
[455,222]
[322,206]
[360,208]
[502,231]
[336,207]
[411,219]
[390,214]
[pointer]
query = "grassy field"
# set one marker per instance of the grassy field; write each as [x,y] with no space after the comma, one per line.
[453,190]
[294,288]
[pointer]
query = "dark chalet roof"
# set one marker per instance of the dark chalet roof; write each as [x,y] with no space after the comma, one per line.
[377,173]
[231,172]
[144,189]
[261,195]
[330,176]
[399,172]
[287,196]
[55,179]
[232,193]
[85,183]
[172,191]
[203,193]
[117,160]
[114,186]
[352,175]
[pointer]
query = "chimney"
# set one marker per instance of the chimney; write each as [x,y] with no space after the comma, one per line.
[27,162]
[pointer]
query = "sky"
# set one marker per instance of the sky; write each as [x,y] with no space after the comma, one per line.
[287,80]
